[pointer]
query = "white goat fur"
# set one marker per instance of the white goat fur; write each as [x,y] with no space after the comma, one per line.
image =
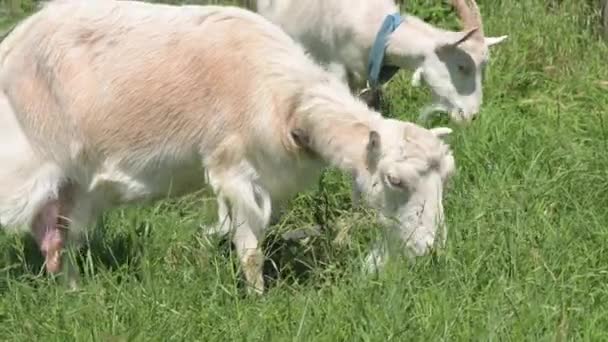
[108,102]
[340,33]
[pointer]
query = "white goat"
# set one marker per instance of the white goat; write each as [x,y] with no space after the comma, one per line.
[340,33]
[106,103]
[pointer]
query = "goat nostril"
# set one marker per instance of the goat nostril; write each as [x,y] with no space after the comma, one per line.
[474,117]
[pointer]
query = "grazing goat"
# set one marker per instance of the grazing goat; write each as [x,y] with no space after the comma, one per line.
[107,103]
[339,34]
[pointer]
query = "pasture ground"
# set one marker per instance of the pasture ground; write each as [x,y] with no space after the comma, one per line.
[527,251]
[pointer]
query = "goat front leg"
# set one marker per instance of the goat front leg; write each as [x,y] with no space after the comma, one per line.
[247,244]
[223,225]
[249,224]
[249,209]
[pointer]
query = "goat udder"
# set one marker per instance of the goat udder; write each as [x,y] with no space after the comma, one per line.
[49,234]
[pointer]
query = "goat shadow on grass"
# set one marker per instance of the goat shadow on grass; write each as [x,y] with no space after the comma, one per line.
[24,261]
[292,258]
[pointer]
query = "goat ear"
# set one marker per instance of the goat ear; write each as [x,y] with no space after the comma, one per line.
[441,132]
[301,138]
[490,41]
[373,148]
[373,144]
[465,35]
[456,38]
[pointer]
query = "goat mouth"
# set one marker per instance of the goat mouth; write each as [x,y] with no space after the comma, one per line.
[455,114]
[458,115]
[461,117]
[435,108]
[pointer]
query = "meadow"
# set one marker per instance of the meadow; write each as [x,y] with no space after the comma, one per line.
[526,257]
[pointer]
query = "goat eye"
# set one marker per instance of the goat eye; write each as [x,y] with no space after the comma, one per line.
[394,181]
[463,69]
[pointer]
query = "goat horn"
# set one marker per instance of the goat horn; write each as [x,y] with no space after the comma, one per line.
[469,15]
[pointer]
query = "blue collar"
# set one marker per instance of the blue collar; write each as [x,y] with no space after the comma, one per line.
[376,74]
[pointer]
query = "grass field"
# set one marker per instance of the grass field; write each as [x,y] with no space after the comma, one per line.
[527,252]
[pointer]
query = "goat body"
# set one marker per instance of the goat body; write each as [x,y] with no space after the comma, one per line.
[340,33]
[107,103]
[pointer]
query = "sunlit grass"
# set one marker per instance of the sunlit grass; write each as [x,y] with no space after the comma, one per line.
[527,211]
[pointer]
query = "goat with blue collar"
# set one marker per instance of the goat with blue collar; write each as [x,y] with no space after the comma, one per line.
[366,42]
[377,72]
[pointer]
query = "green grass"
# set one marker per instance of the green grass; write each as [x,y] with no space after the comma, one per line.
[527,210]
